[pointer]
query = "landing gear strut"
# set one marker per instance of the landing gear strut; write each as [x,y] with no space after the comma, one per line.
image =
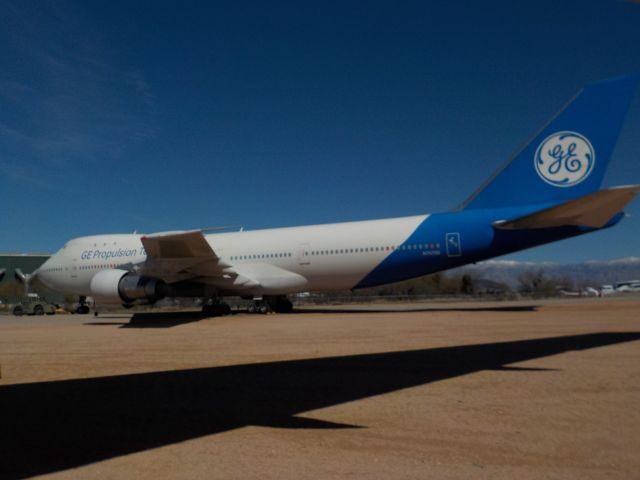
[82,307]
[271,303]
[215,307]
[260,306]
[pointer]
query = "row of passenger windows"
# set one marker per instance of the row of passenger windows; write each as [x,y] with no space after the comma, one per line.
[97,267]
[260,256]
[86,267]
[341,251]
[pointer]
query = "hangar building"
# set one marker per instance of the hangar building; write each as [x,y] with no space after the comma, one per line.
[27,263]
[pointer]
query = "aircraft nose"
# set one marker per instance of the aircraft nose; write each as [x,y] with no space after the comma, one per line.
[44,271]
[46,265]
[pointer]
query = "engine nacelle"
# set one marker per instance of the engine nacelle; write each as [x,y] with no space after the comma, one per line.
[120,286]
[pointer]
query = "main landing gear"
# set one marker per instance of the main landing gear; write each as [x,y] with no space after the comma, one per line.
[271,304]
[215,307]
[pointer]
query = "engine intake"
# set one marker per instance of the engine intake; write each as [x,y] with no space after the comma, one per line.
[120,286]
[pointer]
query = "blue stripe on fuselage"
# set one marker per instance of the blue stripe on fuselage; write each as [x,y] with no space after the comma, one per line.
[472,239]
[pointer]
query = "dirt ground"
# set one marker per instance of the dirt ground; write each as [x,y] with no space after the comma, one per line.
[475,390]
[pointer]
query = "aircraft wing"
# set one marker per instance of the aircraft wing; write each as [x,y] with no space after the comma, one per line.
[177,256]
[190,244]
[593,210]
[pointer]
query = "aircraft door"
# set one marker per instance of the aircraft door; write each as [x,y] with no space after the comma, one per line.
[304,254]
[452,244]
[74,267]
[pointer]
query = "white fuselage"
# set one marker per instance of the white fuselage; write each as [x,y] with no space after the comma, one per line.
[309,258]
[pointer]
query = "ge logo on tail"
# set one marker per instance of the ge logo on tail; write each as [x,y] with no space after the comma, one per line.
[564,159]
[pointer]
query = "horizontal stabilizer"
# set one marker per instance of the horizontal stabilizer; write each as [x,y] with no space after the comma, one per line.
[593,210]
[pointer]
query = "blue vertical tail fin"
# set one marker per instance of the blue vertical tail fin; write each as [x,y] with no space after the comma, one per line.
[569,156]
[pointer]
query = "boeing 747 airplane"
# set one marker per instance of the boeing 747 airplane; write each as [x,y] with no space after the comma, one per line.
[548,191]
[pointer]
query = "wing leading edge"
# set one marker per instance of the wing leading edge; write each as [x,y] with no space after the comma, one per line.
[180,255]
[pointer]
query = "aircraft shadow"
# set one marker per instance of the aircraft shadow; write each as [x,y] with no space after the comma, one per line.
[51,426]
[501,308]
[151,319]
[164,319]
[174,319]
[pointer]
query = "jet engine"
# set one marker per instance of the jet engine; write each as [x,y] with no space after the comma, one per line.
[120,286]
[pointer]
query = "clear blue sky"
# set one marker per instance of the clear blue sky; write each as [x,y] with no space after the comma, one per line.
[149,116]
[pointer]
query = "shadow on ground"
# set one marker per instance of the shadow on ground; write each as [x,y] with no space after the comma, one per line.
[164,319]
[173,319]
[405,309]
[150,319]
[52,426]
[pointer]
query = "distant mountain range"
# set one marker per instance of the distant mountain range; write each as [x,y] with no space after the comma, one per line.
[594,273]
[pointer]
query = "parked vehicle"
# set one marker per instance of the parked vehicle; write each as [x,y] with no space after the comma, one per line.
[32,304]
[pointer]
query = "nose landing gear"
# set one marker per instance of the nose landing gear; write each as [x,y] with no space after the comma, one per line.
[82,307]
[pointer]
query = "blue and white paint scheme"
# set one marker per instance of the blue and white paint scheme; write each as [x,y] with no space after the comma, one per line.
[548,191]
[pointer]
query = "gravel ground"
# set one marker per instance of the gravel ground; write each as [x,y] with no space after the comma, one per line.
[474,390]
